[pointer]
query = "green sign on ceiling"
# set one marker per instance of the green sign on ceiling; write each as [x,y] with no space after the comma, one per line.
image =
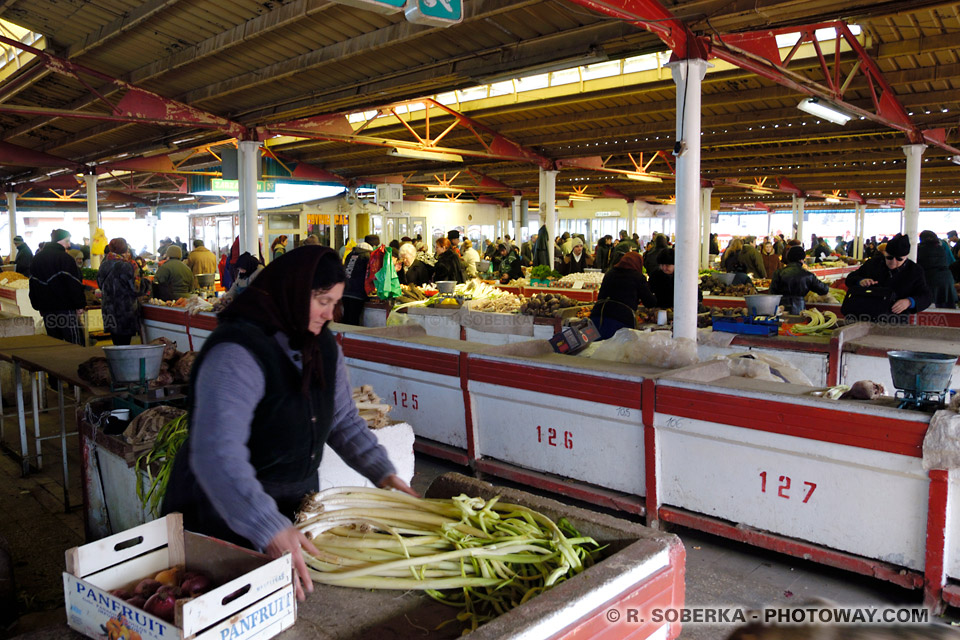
[439,13]
[233,186]
[379,6]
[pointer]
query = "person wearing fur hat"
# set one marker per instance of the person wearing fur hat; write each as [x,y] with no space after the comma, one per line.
[576,260]
[174,279]
[56,289]
[887,285]
[793,282]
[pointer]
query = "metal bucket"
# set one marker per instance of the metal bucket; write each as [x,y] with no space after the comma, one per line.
[206,279]
[762,304]
[446,286]
[918,371]
[725,278]
[125,362]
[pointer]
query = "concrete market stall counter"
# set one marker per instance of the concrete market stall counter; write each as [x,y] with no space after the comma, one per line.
[770,464]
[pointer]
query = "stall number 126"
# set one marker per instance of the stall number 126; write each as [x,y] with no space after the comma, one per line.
[549,436]
[784,487]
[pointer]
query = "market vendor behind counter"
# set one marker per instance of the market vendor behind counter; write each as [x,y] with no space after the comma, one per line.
[888,286]
[621,291]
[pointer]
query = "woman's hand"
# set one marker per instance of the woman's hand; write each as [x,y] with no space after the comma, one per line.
[393,481]
[292,539]
[900,305]
[866,282]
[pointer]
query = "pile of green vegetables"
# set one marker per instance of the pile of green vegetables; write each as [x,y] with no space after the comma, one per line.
[543,272]
[170,438]
[482,556]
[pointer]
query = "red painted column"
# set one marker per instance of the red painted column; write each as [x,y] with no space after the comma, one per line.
[934,576]
[647,408]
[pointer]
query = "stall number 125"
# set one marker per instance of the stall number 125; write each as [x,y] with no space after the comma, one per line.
[784,487]
[549,436]
[405,400]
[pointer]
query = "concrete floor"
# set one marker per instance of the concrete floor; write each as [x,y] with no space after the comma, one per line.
[718,572]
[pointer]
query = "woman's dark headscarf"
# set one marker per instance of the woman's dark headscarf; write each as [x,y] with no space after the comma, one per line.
[247,263]
[279,300]
[631,261]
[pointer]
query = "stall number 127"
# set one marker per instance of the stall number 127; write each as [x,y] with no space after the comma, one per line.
[784,487]
[405,400]
[549,436]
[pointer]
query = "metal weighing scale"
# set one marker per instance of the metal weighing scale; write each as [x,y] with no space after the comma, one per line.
[922,380]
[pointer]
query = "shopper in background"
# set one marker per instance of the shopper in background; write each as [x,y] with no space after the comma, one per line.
[601,255]
[24,256]
[509,266]
[621,291]
[448,266]
[650,255]
[77,256]
[248,268]
[887,285]
[623,246]
[771,261]
[751,258]
[201,259]
[269,390]
[662,280]
[526,250]
[355,293]
[311,240]
[936,270]
[278,247]
[714,245]
[793,282]
[174,279]
[821,249]
[56,290]
[541,248]
[454,237]
[119,282]
[470,258]
[413,271]
[576,262]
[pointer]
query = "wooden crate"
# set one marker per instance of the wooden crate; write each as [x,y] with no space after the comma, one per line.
[255,599]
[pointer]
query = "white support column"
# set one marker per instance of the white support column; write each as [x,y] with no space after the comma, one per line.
[12,211]
[911,196]
[800,204]
[548,203]
[515,210]
[155,212]
[352,219]
[631,217]
[93,215]
[524,218]
[249,157]
[705,194]
[859,226]
[688,75]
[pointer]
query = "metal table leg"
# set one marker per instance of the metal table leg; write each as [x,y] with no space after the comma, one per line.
[63,448]
[42,377]
[21,420]
[35,402]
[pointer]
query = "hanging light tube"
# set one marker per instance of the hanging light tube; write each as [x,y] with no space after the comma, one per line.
[825,110]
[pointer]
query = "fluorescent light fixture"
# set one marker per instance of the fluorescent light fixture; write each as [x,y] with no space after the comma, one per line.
[955,159]
[592,56]
[832,200]
[442,189]
[579,197]
[761,190]
[822,109]
[425,154]
[643,177]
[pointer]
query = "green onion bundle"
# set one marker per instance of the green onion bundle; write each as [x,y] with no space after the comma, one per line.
[483,556]
[170,438]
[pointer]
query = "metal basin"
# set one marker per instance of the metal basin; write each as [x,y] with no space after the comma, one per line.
[125,362]
[206,279]
[920,371]
[725,278]
[762,304]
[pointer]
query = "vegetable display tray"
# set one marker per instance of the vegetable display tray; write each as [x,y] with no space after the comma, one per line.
[745,328]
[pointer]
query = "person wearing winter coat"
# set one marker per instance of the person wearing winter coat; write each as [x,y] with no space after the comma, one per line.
[576,262]
[470,257]
[771,261]
[354,292]
[624,246]
[201,259]
[793,282]
[56,289]
[601,255]
[413,271]
[650,255]
[119,282]
[621,291]
[509,266]
[541,249]
[936,270]
[887,286]
[174,279]
[24,256]
[448,265]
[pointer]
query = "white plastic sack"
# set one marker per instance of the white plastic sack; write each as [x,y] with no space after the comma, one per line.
[654,348]
[762,366]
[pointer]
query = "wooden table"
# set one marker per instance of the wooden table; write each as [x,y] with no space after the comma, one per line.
[60,362]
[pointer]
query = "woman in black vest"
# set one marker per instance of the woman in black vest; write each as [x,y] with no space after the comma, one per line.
[268,390]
